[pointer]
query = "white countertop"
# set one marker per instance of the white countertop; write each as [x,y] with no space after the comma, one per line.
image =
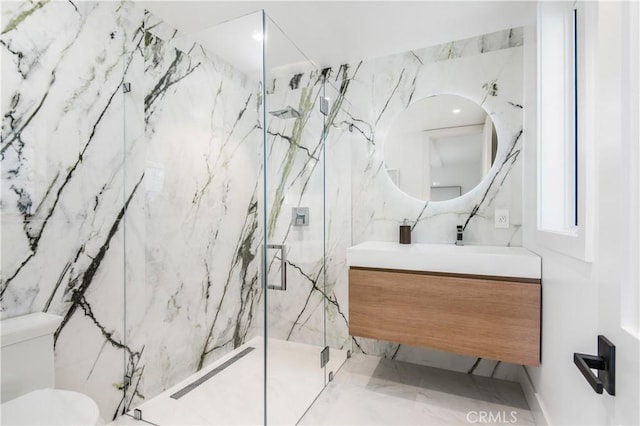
[516,262]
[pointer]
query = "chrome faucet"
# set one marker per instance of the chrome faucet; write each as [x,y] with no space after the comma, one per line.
[459,241]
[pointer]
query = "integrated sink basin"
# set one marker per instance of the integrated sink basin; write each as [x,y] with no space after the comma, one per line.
[511,262]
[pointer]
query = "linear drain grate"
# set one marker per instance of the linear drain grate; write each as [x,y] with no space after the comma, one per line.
[182,392]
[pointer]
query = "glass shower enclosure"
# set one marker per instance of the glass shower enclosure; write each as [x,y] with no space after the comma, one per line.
[227,286]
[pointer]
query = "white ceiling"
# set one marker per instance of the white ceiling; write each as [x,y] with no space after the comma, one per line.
[337,32]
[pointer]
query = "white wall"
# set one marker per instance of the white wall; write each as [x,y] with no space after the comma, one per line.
[580,299]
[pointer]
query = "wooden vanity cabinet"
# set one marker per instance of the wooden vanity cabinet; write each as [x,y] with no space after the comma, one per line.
[488,317]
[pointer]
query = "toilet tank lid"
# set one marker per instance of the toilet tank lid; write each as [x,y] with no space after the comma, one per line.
[25,327]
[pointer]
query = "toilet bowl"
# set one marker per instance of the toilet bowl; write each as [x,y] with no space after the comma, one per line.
[51,407]
[28,394]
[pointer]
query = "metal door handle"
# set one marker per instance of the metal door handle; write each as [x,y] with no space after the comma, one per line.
[283,267]
[604,362]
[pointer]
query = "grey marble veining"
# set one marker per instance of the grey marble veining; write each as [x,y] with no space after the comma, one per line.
[301,168]
[199,234]
[486,69]
[64,202]
[153,197]
[135,208]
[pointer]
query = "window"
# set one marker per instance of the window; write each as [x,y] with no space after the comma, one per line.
[563,155]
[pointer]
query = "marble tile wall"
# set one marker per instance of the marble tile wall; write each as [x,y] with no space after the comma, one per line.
[133,215]
[197,226]
[168,174]
[302,174]
[486,69]
[64,198]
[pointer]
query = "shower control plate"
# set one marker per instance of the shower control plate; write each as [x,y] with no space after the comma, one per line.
[300,216]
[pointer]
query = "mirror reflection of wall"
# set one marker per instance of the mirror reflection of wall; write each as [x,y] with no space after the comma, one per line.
[441,147]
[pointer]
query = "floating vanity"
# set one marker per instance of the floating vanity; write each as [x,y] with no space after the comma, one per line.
[481,301]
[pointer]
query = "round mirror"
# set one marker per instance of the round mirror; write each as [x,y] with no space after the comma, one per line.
[440,147]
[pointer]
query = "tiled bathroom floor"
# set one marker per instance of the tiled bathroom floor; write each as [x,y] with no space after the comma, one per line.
[366,390]
[373,391]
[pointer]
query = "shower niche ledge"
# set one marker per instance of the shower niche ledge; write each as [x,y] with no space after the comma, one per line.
[479,301]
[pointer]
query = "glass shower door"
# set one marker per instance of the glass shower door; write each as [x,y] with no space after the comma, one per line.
[294,229]
[227,296]
[337,194]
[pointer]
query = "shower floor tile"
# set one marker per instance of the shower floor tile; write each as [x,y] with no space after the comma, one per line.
[235,394]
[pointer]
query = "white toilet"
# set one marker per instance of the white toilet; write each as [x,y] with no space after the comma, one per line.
[27,377]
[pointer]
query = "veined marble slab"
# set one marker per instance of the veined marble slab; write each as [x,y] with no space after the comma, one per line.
[516,262]
[366,97]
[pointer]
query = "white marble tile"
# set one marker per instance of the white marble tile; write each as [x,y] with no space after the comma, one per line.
[372,93]
[301,174]
[156,192]
[380,206]
[63,192]
[354,405]
[177,151]
[197,233]
[372,390]
[235,395]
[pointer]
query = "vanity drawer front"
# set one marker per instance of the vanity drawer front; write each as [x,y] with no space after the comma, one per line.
[480,317]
